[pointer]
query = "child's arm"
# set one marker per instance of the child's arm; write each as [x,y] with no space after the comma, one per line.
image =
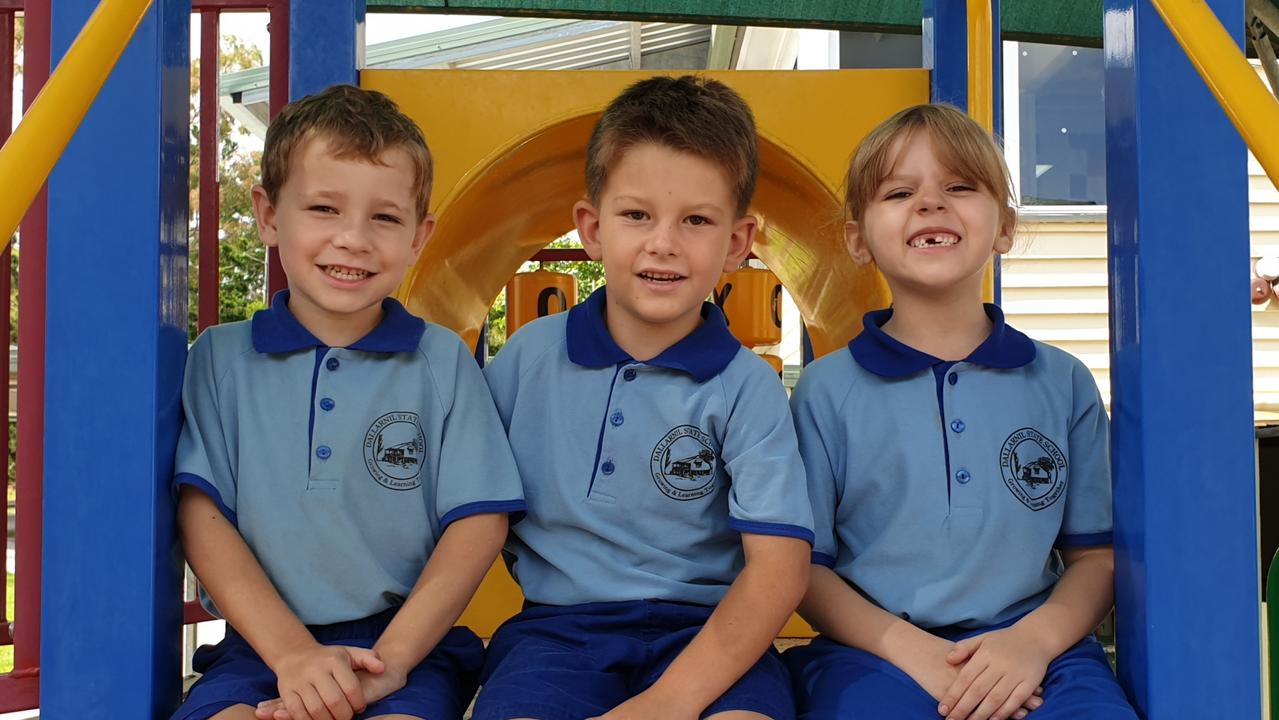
[315,681]
[452,575]
[841,613]
[1002,667]
[735,637]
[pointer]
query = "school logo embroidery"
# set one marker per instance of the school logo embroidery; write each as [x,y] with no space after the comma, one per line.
[394,448]
[683,464]
[1033,467]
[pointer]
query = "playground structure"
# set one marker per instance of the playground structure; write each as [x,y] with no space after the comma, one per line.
[107,374]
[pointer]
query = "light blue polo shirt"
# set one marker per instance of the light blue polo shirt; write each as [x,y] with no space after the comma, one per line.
[939,489]
[341,467]
[641,476]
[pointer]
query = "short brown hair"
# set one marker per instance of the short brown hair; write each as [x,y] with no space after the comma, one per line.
[357,123]
[689,114]
[963,146]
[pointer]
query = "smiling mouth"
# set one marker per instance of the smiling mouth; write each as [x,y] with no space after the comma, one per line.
[341,272]
[660,277]
[932,240]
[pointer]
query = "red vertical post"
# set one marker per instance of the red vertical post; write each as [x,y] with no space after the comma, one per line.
[210,201]
[31,307]
[279,97]
[6,263]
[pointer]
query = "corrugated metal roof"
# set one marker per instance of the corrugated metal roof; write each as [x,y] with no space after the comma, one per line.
[506,44]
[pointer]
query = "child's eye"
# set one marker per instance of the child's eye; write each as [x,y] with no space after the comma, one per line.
[383,217]
[636,215]
[697,220]
[897,195]
[961,187]
[325,209]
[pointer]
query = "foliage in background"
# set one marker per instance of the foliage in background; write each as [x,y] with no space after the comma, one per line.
[241,257]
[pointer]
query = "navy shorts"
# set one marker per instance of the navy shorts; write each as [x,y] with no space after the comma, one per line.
[834,681]
[439,688]
[580,661]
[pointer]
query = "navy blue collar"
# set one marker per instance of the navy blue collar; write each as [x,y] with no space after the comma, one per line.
[886,356]
[704,353]
[276,330]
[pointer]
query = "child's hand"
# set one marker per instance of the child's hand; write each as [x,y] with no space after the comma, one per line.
[648,705]
[375,686]
[320,683]
[1000,674]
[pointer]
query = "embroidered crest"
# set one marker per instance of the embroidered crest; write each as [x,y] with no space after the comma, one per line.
[1033,467]
[394,449]
[684,463]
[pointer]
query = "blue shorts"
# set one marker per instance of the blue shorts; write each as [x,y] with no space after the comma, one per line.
[579,661]
[439,688]
[834,681]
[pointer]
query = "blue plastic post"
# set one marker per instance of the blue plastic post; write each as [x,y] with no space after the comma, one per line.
[325,44]
[945,45]
[1181,370]
[116,344]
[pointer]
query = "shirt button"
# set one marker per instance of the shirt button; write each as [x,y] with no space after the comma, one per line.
[617,418]
[963,477]
[333,363]
[629,374]
[957,425]
[607,468]
[323,452]
[327,404]
[953,378]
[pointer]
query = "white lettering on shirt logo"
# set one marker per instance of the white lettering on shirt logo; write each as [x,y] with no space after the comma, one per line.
[1033,467]
[394,449]
[683,464]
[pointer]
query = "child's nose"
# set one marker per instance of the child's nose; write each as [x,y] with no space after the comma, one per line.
[354,236]
[662,241]
[930,201]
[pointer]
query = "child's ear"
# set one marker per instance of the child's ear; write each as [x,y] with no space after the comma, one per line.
[740,242]
[423,233]
[855,241]
[587,218]
[264,211]
[1007,228]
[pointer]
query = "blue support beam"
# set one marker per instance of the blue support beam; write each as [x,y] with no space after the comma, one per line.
[945,45]
[945,54]
[1185,480]
[326,44]
[116,345]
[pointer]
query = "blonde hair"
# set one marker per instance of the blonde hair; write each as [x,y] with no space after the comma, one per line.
[962,146]
[357,123]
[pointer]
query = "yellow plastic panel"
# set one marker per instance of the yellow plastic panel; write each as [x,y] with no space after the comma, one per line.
[510,156]
[536,294]
[751,300]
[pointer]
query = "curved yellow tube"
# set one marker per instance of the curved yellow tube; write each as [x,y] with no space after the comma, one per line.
[1228,75]
[47,127]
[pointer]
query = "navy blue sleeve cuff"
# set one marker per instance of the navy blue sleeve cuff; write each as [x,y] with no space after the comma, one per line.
[767,528]
[1087,540]
[821,558]
[207,488]
[516,509]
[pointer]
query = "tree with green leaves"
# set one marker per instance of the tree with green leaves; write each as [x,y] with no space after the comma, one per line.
[242,257]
